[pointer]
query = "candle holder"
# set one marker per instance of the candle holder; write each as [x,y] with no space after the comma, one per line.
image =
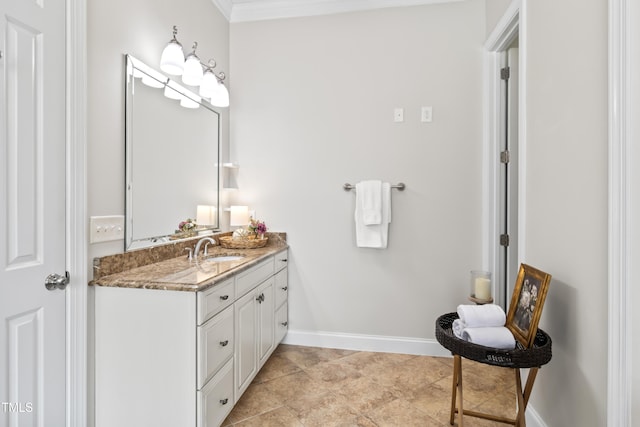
[480,287]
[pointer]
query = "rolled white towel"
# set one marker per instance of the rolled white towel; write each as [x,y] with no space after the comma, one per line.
[492,336]
[475,316]
[457,328]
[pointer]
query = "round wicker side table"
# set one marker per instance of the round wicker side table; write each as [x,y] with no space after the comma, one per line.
[520,357]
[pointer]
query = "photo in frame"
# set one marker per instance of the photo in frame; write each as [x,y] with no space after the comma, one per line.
[527,302]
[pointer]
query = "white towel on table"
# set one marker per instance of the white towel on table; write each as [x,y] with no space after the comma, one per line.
[374,235]
[491,336]
[369,199]
[458,328]
[474,316]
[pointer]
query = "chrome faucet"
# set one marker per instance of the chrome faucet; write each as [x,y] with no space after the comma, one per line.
[196,251]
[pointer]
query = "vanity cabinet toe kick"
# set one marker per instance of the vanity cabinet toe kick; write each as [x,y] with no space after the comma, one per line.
[160,354]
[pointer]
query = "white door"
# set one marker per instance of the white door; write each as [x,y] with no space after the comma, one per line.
[32,212]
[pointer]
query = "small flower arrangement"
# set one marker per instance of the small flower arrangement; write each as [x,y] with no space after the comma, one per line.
[187,226]
[258,228]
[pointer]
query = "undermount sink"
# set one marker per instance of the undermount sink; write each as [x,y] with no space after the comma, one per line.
[224,258]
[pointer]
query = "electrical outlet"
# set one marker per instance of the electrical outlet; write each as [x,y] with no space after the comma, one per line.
[106,228]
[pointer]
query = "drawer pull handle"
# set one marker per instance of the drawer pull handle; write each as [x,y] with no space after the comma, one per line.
[285,288]
[224,297]
[224,343]
[284,323]
[283,260]
[224,401]
[260,298]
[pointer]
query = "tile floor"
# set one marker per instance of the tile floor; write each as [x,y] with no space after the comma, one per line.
[307,386]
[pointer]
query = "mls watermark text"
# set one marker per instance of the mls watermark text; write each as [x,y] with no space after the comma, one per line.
[16,407]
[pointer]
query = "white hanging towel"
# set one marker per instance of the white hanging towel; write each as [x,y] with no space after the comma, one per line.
[373,235]
[369,197]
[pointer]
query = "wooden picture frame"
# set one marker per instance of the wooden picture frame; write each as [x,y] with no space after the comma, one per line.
[527,302]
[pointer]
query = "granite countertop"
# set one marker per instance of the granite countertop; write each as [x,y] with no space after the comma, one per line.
[181,274]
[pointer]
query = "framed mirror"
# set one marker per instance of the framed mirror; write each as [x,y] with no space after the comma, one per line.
[172,156]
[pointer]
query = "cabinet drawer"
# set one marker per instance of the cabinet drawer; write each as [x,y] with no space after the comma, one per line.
[215,299]
[251,278]
[282,322]
[282,287]
[215,345]
[281,260]
[215,400]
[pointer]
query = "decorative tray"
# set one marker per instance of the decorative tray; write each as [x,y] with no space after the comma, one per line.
[250,242]
[539,354]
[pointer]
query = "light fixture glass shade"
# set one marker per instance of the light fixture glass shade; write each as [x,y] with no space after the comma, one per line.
[209,84]
[220,96]
[192,74]
[172,59]
[173,90]
[154,79]
[239,216]
[187,102]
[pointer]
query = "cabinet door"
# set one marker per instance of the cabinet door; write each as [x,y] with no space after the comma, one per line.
[245,350]
[282,323]
[281,287]
[215,400]
[266,321]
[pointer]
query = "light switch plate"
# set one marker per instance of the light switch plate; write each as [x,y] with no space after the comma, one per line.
[426,114]
[398,115]
[106,228]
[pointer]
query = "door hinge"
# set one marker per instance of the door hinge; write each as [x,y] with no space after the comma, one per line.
[505,73]
[504,240]
[505,156]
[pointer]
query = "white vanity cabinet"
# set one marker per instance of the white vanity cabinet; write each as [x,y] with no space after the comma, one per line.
[179,358]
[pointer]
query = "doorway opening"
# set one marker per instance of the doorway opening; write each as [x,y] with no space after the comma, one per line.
[504,131]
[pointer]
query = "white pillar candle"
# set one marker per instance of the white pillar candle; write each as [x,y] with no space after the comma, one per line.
[483,288]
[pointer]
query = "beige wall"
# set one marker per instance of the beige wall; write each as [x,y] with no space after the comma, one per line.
[141,28]
[313,105]
[566,202]
[494,11]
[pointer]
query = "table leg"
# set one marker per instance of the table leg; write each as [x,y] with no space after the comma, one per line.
[520,419]
[529,386]
[460,408]
[453,389]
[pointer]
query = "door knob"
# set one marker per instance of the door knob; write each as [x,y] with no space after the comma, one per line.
[55,281]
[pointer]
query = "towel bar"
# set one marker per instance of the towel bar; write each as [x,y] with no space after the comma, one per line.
[400,186]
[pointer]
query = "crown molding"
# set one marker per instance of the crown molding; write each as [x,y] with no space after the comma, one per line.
[258,10]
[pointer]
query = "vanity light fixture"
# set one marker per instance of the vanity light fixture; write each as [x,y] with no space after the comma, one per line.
[172,59]
[209,81]
[194,72]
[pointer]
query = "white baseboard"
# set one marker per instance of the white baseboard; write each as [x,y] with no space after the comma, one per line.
[533,418]
[375,343]
[382,344]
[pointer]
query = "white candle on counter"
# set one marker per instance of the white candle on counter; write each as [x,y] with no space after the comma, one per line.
[483,288]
